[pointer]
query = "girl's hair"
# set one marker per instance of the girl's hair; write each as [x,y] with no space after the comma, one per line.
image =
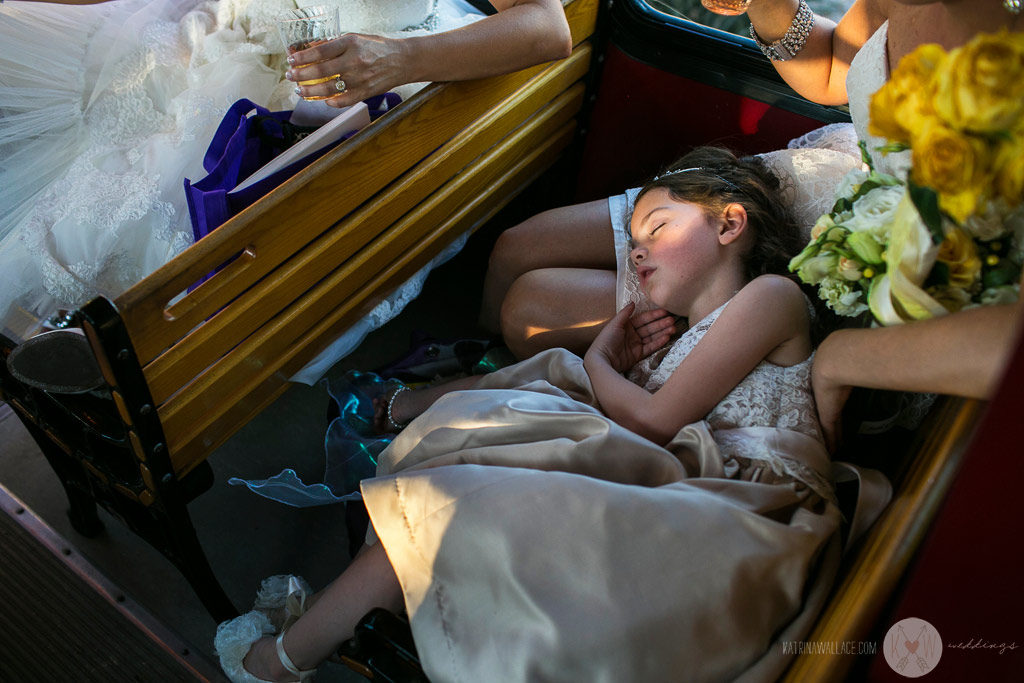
[713,178]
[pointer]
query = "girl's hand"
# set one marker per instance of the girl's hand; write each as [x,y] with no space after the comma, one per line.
[627,339]
[368,65]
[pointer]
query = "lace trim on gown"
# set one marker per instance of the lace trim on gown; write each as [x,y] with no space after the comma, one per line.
[96,138]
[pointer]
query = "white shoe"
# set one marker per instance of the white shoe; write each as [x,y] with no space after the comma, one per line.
[235,638]
[283,599]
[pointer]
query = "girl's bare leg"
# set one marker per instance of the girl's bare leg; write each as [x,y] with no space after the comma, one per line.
[578,236]
[368,582]
[557,307]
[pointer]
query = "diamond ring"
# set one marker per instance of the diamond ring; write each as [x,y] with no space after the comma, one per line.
[339,85]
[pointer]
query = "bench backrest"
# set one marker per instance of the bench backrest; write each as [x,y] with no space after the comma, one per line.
[317,253]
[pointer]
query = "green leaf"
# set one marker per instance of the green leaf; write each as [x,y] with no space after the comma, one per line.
[865,156]
[1005,272]
[893,147]
[842,204]
[926,201]
[939,275]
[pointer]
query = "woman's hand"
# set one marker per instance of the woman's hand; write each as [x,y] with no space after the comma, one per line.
[367,65]
[627,339]
[830,397]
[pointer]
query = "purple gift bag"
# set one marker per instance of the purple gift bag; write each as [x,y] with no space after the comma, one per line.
[248,137]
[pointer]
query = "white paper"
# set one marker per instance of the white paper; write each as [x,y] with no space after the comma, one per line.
[351,118]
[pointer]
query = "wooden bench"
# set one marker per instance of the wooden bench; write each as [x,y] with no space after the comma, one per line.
[187,369]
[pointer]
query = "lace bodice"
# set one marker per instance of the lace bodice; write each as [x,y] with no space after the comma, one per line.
[868,72]
[770,396]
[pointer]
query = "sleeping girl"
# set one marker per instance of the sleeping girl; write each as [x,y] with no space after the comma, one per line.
[659,509]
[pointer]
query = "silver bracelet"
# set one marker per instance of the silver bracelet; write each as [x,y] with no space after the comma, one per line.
[391,425]
[787,47]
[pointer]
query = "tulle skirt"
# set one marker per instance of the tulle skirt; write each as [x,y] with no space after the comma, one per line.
[104,110]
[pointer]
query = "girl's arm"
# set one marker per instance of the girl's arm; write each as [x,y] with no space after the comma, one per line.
[521,34]
[818,72]
[767,319]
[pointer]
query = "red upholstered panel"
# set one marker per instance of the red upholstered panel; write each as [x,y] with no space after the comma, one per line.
[645,118]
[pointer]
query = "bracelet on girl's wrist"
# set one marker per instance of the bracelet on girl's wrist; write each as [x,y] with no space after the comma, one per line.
[788,46]
[391,425]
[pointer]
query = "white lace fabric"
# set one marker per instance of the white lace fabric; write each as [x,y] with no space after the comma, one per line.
[770,395]
[868,72]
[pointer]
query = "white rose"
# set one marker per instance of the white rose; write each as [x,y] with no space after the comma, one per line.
[874,211]
[841,297]
[850,182]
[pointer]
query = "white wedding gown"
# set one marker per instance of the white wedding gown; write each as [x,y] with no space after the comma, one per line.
[105,109]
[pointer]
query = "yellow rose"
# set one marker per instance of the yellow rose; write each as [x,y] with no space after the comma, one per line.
[901,104]
[960,255]
[954,165]
[981,86]
[1009,180]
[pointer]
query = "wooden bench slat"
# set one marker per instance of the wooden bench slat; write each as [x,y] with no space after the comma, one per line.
[170,371]
[210,409]
[327,190]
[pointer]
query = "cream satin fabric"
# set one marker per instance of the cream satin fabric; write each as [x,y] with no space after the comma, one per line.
[536,540]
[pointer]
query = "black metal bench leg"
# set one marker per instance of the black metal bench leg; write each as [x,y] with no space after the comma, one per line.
[196,569]
[82,511]
[188,554]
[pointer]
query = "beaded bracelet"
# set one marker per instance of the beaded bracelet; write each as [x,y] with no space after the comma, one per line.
[787,47]
[391,425]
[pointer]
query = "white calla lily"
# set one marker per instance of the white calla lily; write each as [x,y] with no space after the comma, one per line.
[910,257]
[880,302]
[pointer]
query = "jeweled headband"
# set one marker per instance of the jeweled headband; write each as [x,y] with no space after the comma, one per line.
[695,168]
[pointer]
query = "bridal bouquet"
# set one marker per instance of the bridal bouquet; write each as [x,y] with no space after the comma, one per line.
[950,234]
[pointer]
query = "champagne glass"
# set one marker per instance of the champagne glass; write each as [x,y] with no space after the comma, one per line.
[307,27]
[726,7]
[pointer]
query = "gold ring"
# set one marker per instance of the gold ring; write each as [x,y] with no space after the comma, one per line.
[339,85]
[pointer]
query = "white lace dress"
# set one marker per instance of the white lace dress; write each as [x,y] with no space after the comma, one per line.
[518,514]
[105,109]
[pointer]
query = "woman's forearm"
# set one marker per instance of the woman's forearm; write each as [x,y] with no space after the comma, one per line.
[521,35]
[962,354]
[818,71]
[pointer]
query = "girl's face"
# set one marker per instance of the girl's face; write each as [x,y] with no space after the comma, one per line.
[674,247]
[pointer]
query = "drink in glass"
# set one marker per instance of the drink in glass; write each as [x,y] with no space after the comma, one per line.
[306,27]
[726,7]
